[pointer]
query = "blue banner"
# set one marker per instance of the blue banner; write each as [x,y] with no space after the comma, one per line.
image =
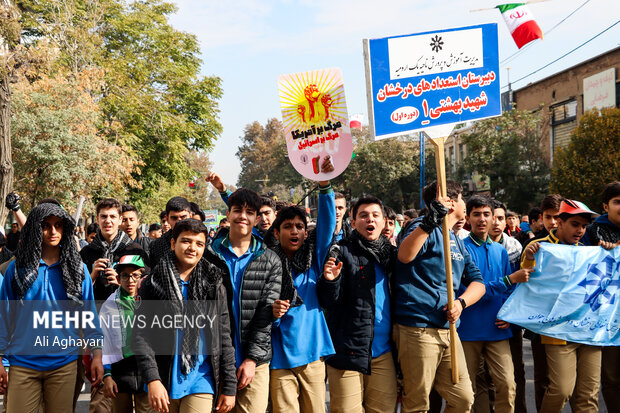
[572,295]
[433,78]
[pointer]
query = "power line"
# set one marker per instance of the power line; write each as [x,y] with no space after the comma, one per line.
[509,58]
[566,54]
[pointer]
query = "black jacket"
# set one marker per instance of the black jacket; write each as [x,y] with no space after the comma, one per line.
[349,303]
[260,287]
[153,347]
[143,241]
[90,254]
[159,247]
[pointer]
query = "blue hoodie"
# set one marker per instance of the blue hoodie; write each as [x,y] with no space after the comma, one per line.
[420,291]
[478,321]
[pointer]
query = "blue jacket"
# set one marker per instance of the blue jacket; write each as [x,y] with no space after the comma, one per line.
[46,294]
[420,290]
[478,321]
[301,336]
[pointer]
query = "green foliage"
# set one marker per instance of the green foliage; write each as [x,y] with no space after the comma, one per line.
[263,155]
[508,150]
[388,169]
[591,160]
[57,149]
[154,91]
[150,100]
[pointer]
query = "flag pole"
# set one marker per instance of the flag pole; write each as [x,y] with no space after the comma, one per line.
[441,183]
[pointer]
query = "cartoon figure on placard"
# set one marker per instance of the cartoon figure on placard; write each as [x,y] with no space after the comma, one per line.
[315,121]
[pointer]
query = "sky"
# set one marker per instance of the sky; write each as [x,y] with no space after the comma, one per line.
[249,43]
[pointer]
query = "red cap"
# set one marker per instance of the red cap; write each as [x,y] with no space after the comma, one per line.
[569,206]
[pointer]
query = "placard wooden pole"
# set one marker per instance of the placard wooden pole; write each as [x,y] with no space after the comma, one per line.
[441,182]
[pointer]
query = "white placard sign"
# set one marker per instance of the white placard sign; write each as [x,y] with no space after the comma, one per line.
[599,90]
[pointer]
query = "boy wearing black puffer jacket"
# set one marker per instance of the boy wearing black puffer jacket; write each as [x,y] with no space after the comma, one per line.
[355,291]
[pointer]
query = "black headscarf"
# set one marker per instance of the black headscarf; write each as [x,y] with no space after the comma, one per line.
[120,241]
[380,249]
[301,261]
[28,255]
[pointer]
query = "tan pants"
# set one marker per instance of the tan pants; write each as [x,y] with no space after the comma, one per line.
[424,356]
[124,403]
[499,362]
[298,390]
[28,387]
[193,403]
[572,368]
[354,392]
[98,402]
[255,396]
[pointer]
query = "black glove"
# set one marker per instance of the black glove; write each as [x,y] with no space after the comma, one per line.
[12,201]
[434,216]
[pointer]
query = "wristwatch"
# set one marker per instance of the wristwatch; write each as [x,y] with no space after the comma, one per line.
[463,303]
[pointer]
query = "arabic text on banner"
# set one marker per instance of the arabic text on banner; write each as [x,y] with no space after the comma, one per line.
[572,295]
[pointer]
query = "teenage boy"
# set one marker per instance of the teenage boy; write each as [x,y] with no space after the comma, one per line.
[252,278]
[390,224]
[343,229]
[550,207]
[512,224]
[514,250]
[573,369]
[606,229]
[356,293]
[420,300]
[266,214]
[48,270]
[535,226]
[177,209]
[482,334]
[131,225]
[496,232]
[91,232]
[197,374]
[154,231]
[121,379]
[109,245]
[300,337]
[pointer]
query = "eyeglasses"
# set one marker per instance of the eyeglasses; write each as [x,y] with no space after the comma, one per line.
[126,277]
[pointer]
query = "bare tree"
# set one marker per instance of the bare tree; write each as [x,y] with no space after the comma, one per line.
[9,38]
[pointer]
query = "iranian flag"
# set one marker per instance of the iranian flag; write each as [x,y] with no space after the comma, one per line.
[521,23]
[356,121]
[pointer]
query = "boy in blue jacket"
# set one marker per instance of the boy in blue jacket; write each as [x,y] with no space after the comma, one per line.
[480,331]
[47,275]
[300,337]
[420,304]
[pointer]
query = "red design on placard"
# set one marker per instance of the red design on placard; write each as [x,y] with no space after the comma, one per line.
[311,92]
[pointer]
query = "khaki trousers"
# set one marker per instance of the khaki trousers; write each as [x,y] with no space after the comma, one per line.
[424,356]
[573,368]
[499,362]
[124,403]
[28,387]
[193,403]
[298,390]
[354,392]
[98,402]
[255,396]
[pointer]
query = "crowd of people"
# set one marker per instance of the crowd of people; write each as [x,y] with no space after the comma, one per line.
[355,303]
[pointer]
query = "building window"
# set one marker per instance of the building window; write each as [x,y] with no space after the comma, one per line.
[461,152]
[563,121]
